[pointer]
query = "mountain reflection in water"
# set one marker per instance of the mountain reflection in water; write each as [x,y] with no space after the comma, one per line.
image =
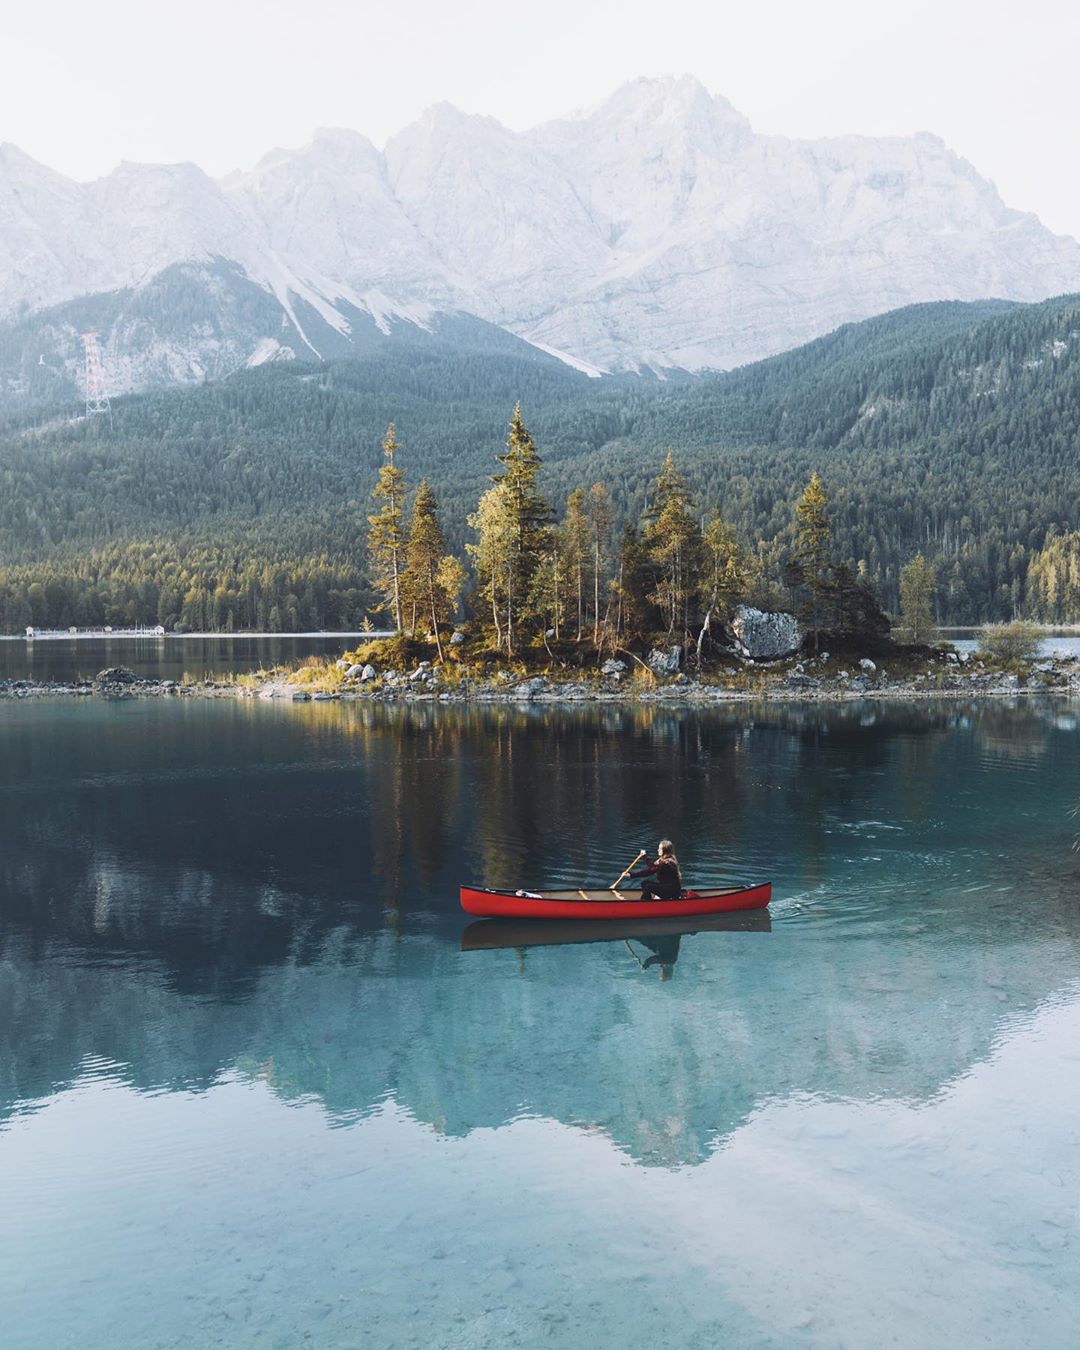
[190,891]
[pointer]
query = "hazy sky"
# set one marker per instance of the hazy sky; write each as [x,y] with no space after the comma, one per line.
[83,86]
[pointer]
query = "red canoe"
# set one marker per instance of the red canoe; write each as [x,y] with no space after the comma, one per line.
[594,902]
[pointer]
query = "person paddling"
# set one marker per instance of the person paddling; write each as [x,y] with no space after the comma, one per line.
[663,880]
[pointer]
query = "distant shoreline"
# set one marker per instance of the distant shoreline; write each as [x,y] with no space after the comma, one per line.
[164,637]
[1063,683]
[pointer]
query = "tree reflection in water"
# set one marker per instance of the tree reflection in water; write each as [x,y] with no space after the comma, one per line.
[189,890]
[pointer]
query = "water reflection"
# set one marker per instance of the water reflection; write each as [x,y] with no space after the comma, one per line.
[191,891]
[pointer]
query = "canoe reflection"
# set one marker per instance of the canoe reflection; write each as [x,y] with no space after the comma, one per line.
[491,934]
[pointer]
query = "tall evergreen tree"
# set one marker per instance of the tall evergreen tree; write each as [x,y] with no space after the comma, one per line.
[813,545]
[432,577]
[492,553]
[387,538]
[725,576]
[601,517]
[630,583]
[574,546]
[672,542]
[529,520]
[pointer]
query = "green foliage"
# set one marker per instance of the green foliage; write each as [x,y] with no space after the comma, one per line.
[950,430]
[672,542]
[515,528]
[917,586]
[386,529]
[432,580]
[812,557]
[1053,580]
[1009,644]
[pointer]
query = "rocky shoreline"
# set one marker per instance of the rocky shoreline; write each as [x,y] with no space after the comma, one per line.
[807,681]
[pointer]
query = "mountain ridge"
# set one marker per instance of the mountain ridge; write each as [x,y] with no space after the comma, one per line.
[656,230]
[949,428]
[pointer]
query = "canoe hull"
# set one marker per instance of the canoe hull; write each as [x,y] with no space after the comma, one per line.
[498,934]
[493,904]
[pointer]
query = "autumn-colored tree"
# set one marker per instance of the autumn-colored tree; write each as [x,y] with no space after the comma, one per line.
[601,514]
[493,551]
[725,575]
[573,551]
[672,541]
[433,579]
[387,538]
[917,583]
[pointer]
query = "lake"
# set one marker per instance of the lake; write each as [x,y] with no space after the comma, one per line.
[253,1092]
[220,654]
[167,658]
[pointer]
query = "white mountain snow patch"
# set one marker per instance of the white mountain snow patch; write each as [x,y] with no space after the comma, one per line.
[655,230]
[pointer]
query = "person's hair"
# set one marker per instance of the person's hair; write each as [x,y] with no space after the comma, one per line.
[666,846]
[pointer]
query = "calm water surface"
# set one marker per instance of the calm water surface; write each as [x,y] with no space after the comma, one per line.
[168,658]
[254,1093]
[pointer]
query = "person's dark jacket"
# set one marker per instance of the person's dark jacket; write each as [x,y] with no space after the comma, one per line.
[668,877]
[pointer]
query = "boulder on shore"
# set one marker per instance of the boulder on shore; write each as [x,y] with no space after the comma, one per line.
[116,675]
[766,636]
[613,666]
[665,663]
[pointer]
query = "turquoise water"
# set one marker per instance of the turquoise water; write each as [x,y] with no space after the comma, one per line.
[252,1091]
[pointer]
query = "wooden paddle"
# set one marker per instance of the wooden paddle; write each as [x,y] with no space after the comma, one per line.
[615,885]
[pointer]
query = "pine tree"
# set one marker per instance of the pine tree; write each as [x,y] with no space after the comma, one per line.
[492,553]
[725,576]
[529,520]
[431,584]
[813,542]
[630,583]
[601,516]
[573,548]
[917,583]
[386,534]
[672,542]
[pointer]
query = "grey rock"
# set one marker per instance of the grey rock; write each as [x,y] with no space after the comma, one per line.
[867,665]
[530,688]
[116,675]
[665,663]
[368,673]
[456,639]
[354,672]
[612,667]
[300,697]
[766,636]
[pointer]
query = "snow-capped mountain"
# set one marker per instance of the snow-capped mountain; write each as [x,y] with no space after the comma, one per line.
[657,229]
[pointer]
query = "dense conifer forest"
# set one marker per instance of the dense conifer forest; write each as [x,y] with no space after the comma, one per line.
[950,431]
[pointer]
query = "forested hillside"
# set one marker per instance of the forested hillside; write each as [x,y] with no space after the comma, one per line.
[951,429]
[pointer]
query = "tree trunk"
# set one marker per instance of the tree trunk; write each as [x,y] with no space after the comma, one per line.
[596,594]
[435,619]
